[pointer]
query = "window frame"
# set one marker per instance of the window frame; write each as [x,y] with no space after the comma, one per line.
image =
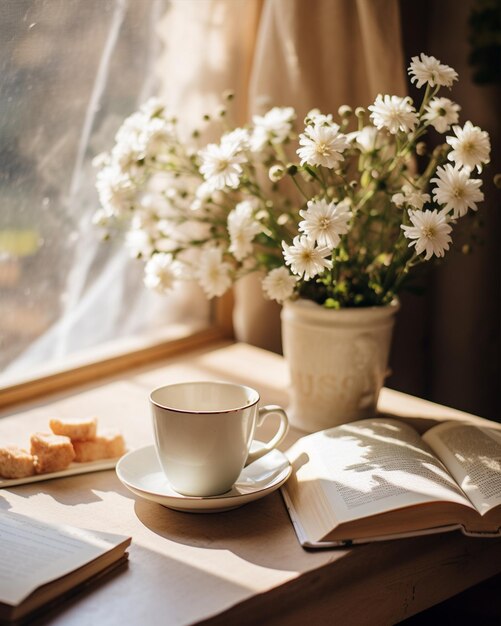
[87,370]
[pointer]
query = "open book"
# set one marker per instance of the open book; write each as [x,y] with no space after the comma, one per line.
[42,563]
[378,479]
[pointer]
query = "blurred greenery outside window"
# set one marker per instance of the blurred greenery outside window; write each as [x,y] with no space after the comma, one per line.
[71,70]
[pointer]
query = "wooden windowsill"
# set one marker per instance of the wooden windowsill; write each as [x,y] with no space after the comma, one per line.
[119,356]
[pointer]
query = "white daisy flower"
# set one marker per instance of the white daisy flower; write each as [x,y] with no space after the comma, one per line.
[273,127]
[393,113]
[471,146]
[441,113]
[130,130]
[317,118]
[125,157]
[153,107]
[242,228]
[213,274]
[156,135]
[161,272]
[367,139]
[238,138]
[117,192]
[456,190]
[324,222]
[279,284]
[304,259]
[322,145]
[139,243]
[426,69]
[429,232]
[221,165]
[411,197]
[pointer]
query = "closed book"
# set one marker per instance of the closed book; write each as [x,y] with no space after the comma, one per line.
[44,563]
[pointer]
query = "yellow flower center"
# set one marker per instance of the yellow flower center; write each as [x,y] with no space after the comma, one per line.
[222,165]
[429,232]
[323,149]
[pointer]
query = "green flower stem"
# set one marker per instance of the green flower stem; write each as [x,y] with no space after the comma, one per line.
[316,175]
[425,99]
[298,186]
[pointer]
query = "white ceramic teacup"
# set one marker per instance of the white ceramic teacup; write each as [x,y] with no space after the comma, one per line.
[204,431]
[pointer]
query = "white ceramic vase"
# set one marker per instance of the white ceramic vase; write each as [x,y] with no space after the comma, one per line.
[338,360]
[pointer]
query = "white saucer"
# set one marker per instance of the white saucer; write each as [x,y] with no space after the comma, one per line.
[140,471]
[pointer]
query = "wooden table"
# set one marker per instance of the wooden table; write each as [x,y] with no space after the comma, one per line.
[243,566]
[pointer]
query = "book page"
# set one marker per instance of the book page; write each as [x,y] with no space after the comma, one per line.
[33,553]
[473,456]
[373,466]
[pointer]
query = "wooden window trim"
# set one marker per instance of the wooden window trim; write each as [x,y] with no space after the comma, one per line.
[87,371]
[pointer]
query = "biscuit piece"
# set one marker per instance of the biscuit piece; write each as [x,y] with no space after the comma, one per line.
[107,445]
[75,428]
[16,462]
[52,452]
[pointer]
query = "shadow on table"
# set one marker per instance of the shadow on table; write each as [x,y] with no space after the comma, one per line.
[75,490]
[248,531]
[261,533]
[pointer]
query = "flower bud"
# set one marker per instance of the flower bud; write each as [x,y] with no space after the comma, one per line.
[221,112]
[276,173]
[310,115]
[439,150]
[360,112]
[345,111]
[291,169]
[421,148]
[228,95]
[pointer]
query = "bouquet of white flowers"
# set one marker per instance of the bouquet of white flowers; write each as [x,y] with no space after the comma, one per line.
[340,219]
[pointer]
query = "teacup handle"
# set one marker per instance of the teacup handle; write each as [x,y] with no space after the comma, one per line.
[264,412]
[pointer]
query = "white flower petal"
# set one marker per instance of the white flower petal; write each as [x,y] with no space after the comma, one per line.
[456,190]
[427,69]
[393,113]
[471,147]
[304,259]
[322,145]
[279,284]
[213,274]
[325,222]
[429,233]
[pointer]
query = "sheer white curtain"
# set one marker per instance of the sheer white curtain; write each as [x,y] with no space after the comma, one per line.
[72,71]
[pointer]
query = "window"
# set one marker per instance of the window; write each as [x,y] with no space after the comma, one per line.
[71,71]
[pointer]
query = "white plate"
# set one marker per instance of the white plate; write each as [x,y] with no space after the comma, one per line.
[71,470]
[140,472]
